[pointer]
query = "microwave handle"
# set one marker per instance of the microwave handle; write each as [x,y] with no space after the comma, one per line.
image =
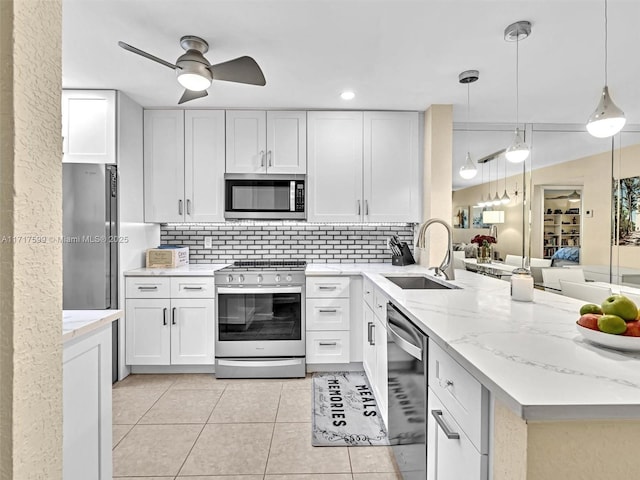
[292,196]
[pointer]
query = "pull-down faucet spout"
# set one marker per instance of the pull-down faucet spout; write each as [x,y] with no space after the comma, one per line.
[446,267]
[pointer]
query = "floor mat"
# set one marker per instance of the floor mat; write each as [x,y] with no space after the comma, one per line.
[345,412]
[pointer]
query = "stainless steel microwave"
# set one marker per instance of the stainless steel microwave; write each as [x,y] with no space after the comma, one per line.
[264,196]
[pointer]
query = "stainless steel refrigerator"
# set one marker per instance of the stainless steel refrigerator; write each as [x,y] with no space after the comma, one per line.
[90,247]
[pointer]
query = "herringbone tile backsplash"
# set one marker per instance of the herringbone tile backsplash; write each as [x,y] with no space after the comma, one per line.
[313,242]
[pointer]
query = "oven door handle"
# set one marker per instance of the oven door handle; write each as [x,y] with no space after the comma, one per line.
[253,291]
[259,363]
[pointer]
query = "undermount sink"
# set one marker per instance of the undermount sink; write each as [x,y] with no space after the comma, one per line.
[419,282]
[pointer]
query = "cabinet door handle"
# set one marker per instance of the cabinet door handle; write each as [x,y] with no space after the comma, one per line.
[262,158]
[328,311]
[188,206]
[173,316]
[437,414]
[373,334]
[179,207]
[269,162]
[192,288]
[366,207]
[358,207]
[147,288]
[328,344]
[164,316]
[369,334]
[324,287]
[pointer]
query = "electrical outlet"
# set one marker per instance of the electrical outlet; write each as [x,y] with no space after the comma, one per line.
[588,213]
[208,242]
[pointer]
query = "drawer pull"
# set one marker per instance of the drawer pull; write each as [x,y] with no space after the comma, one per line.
[148,288]
[327,310]
[328,344]
[192,288]
[437,414]
[324,287]
[164,316]
[447,383]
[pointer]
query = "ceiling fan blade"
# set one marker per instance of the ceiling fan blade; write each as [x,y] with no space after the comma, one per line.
[126,46]
[191,95]
[239,70]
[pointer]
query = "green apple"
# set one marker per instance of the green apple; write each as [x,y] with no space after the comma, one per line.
[612,324]
[590,308]
[621,306]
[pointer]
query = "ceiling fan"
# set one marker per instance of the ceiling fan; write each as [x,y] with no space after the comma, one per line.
[195,73]
[572,197]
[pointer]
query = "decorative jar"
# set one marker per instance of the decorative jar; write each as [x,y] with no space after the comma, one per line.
[484,254]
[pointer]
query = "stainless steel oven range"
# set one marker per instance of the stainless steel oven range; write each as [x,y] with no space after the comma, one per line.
[260,324]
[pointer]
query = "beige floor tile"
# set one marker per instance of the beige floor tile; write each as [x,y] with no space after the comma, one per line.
[119,431]
[247,405]
[158,450]
[295,383]
[376,476]
[183,406]
[295,406]
[148,381]
[244,384]
[311,476]
[196,381]
[223,449]
[130,404]
[222,477]
[145,478]
[291,452]
[371,459]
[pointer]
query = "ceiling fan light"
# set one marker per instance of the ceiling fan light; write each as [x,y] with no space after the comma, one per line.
[518,151]
[607,119]
[505,199]
[468,170]
[193,81]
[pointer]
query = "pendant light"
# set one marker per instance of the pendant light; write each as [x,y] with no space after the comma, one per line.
[574,197]
[468,170]
[496,200]
[505,199]
[518,151]
[607,119]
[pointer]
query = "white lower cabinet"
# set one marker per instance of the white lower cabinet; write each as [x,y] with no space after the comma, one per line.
[374,345]
[176,330]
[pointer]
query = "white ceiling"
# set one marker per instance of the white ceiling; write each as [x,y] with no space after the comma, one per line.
[395,54]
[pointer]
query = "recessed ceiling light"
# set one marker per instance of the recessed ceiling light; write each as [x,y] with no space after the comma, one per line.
[348,95]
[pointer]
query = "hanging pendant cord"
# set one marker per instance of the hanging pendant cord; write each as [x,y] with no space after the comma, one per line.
[468,117]
[517,78]
[606,43]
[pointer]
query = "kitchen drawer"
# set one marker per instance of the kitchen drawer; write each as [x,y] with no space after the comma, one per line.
[327,287]
[192,287]
[450,458]
[147,287]
[380,304]
[461,394]
[328,347]
[328,314]
[367,292]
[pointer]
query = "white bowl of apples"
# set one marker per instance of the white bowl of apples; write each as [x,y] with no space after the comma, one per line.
[614,324]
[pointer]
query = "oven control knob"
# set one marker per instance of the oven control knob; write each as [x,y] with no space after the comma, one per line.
[241,278]
[277,278]
[289,278]
[259,278]
[229,278]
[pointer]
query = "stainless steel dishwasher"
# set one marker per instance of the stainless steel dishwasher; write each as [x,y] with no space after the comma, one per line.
[407,382]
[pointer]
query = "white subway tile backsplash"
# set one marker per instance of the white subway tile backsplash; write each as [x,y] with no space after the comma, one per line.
[320,243]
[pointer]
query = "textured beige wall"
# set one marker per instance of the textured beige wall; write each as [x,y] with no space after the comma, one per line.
[509,445]
[437,179]
[30,206]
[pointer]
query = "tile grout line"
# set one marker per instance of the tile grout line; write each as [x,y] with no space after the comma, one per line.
[273,433]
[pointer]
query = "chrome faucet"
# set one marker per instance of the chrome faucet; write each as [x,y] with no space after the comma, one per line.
[446,267]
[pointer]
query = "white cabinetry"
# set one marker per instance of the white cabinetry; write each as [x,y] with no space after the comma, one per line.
[457,421]
[375,344]
[170,321]
[363,166]
[328,320]
[184,165]
[266,142]
[89,126]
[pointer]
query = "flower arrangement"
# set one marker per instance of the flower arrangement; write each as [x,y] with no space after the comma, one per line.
[483,240]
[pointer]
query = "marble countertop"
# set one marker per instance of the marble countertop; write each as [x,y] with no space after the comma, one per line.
[192,269]
[529,355]
[77,323]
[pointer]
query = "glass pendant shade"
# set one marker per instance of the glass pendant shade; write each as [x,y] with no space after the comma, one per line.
[518,151]
[505,198]
[574,197]
[496,200]
[468,170]
[608,119]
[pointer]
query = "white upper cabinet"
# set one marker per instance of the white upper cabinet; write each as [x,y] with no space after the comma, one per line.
[184,165]
[334,180]
[391,173]
[363,166]
[266,142]
[89,126]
